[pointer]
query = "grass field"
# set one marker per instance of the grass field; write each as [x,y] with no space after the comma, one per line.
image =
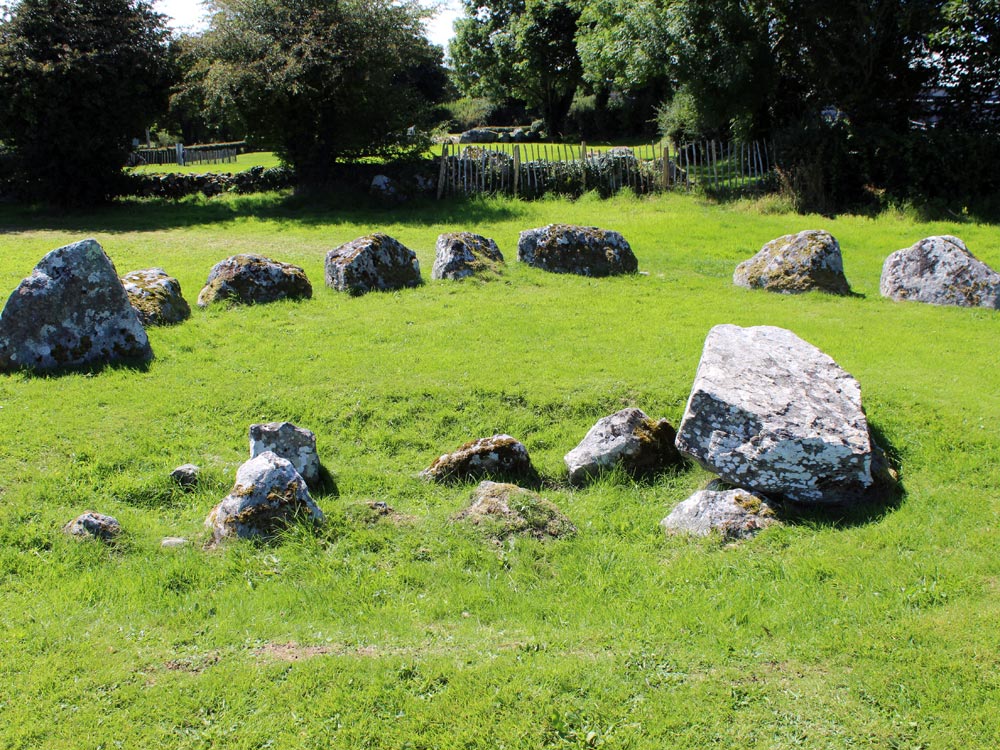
[412,632]
[243,162]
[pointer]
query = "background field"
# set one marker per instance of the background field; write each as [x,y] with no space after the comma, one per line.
[409,632]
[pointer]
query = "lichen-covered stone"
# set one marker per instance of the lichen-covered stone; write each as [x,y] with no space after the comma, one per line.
[627,438]
[502,510]
[72,311]
[940,271]
[463,254]
[156,297]
[252,280]
[186,476]
[495,457]
[586,251]
[774,414]
[375,263]
[795,263]
[296,444]
[479,135]
[95,526]
[735,514]
[267,495]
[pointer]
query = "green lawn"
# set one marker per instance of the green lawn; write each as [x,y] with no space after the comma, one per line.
[416,633]
[243,162]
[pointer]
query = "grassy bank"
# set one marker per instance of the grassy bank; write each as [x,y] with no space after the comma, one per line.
[408,631]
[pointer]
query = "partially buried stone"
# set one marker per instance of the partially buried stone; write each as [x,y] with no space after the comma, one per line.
[95,526]
[173,542]
[735,514]
[803,262]
[586,251]
[186,476]
[253,279]
[156,297]
[72,311]
[627,438]
[495,456]
[375,263]
[296,444]
[463,254]
[940,271]
[506,509]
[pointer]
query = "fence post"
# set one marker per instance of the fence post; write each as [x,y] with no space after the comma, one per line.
[517,169]
[443,171]
[180,154]
[665,152]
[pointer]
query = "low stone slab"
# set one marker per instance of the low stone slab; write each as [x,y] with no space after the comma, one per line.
[627,438]
[479,135]
[503,510]
[71,311]
[772,413]
[795,263]
[376,263]
[495,456]
[267,495]
[463,254]
[586,251]
[253,280]
[735,514]
[95,526]
[295,444]
[156,297]
[940,271]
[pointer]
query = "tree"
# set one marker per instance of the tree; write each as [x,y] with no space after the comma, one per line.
[967,51]
[320,81]
[78,80]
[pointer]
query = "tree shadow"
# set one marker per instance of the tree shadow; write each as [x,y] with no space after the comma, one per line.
[90,368]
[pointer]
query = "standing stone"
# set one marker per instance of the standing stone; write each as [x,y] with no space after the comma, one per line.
[295,444]
[802,262]
[72,311]
[267,495]
[495,456]
[463,254]
[253,280]
[586,251]
[773,414]
[373,263]
[506,509]
[156,297]
[940,271]
[627,438]
[736,514]
[94,525]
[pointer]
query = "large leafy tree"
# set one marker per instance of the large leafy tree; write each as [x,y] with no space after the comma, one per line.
[320,81]
[966,52]
[78,80]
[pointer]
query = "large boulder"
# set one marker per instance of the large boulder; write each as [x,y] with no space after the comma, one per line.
[253,280]
[156,297]
[267,495]
[495,456]
[773,414]
[940,271]
[735,514]
[503,510]
[295,444]
[627,438]
[72,311]
[802,262]
[463,254]
[586,251]
[479,135]
[373,263]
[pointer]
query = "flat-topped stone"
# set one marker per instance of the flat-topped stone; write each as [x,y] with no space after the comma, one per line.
[940,271]
[253,280]
[586,251]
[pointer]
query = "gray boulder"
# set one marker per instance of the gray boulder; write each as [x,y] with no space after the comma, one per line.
[156,297]
[383,187]
[94,526]
[774,414]
[940,271]
[267,495]
[503,510]
[373,263]
[253,280]
[72,311]
[735,514]
[295,444]
[627,438]
[586,251]
[478,135]
[186,476]
[795,263]
[495,456]
[463,254]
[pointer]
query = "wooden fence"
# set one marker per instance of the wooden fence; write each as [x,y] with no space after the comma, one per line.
[530,170]
[212,153]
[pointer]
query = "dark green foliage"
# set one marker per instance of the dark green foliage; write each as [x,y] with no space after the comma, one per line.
[78,80]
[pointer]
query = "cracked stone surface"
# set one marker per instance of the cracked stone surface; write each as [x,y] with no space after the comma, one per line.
[940,271]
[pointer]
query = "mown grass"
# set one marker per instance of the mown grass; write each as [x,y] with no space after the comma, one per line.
[412,632]
[243,162]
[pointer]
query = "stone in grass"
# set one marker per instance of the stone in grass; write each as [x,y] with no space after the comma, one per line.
[628,439]
[173,542]
[186,476]
[795,263]
[497,456]
[463,254]
[940,271]
[267,495]
[735,514]
[586,251]
[156,297]
[252,280]
[296,444]
[375,263]
[503,510]
[71,312]
[94,526]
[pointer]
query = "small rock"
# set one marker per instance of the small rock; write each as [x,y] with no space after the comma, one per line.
[186,476]
[586,251]
[940,271]
[463,254]
[495,456]
[506,509]
[383,186]
[627,438]
[173,542]
[254,280]
[94,525]
[802,262]
[736,514]
[156,297]
[373,263]
[295,444]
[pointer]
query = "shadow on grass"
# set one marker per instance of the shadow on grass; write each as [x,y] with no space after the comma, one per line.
[326,485]
[90,369]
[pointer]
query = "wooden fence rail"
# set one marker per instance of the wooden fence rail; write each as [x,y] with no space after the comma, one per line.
[215,153]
